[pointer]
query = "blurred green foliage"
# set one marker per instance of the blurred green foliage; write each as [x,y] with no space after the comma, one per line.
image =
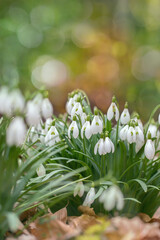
[107,47]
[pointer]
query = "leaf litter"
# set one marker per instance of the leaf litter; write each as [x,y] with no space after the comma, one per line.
[89,226]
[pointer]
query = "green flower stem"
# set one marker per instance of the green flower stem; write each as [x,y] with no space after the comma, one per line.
[85,95]
[115,154]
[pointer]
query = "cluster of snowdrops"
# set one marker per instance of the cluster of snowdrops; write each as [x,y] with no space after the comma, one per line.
[110,143]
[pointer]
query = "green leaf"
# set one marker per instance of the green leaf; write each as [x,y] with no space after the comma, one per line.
[99,192]
[141,183]
[132,199]
[154,187]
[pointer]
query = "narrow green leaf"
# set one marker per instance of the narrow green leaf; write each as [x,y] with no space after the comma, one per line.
[132,199]
[141,183]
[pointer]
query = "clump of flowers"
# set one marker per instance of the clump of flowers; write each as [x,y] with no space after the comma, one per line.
[116,159]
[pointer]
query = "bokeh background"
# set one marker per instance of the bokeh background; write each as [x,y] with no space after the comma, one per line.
[104,47]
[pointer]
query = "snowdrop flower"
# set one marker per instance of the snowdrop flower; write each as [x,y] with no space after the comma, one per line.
[41,171]
[86,130]
[97,125]
[139,133]
[79,189]
[131,135]
[52,136]
[139,138]
[152,129]
[149,149]
[73,128]
[159,119]
[108,145]
[38,99]
[16,132]
[17,101]
[70,105]
[137,119]
[112,198]
[76,110]
[47,108]
[125,116]
[104,146]
[71,102]
[113,111]
[33,114]
[89,197]
[83,118]
[123,133]
[33,136]
[48,124]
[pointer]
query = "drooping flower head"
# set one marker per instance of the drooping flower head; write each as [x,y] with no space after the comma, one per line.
[104,145]
[149,149]
[73,128]
[52,136]
[125,115]
[33,116]
[97,123]
[79,189]
[41,171]
[89,197]
[152,129]
[16,132]
[112,198]
[86,129]
[47,108]
[113,111]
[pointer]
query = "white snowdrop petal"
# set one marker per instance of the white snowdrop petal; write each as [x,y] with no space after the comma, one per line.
[73,128]
[120,200]
[112,146]
[139,134]
[47,108]
[107,145]
[96,148]
[76,110]
[52,136]
[149,149]
[41,171]
[125,116]
[110,113]
[139,145]
[81,191]
[101,147]
[75,131]
[16,132]
[83,118]
[131,135]
[153,130]
[90,197]
[33,114]
[123,133]
[116,113]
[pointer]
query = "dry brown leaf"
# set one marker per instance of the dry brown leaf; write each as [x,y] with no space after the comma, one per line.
[83,222]
[86,210]
[28,214]
[61,215]
[157,213]
[144,217]
[46,228]
[137,229]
